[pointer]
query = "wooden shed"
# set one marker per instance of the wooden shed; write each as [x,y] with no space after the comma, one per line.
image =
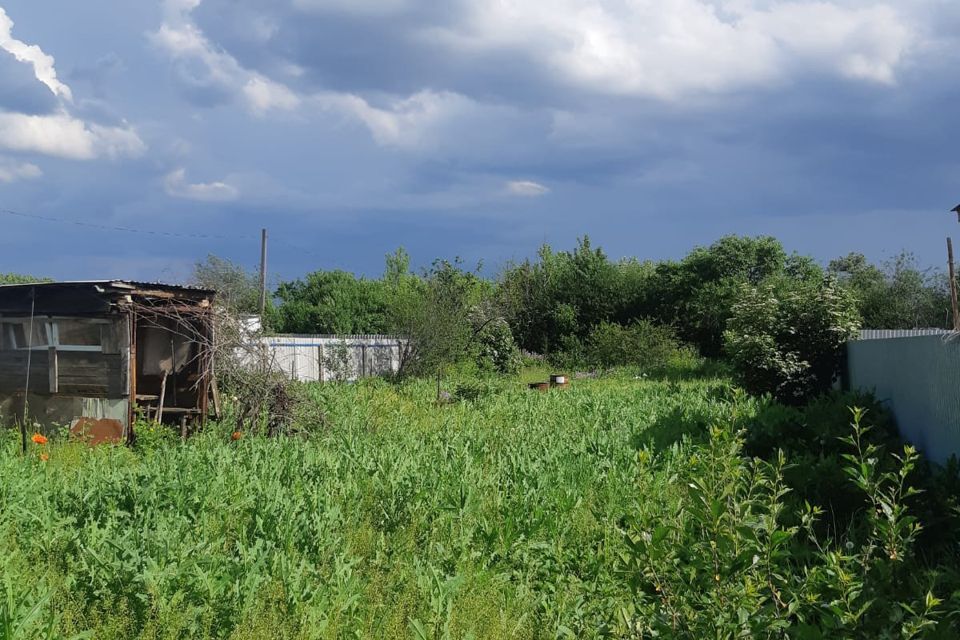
[90,355]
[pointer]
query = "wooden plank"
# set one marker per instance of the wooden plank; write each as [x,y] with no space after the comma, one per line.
[52,367]
[13,371]
[163,393]
[320,359]
[90,373]
[216,398]
[111,336]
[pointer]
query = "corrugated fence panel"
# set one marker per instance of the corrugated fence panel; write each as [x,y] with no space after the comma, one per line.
[327,358]
[883,334]
[918,378]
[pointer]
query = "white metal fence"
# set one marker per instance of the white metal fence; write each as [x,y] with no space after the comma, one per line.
[321,358]
[918,378]
[883,334]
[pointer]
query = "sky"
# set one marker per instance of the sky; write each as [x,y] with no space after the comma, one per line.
[472,128]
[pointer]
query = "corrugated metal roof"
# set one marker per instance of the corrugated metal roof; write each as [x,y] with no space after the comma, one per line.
[120,284]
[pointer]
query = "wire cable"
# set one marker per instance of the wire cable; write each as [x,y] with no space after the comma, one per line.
[104,227]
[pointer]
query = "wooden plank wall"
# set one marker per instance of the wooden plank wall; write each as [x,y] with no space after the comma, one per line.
[82,373]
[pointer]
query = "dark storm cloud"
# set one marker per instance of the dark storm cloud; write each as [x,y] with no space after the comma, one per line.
[369,52]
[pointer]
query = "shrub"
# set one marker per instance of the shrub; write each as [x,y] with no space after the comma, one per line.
[811,436]
[496,349]
[641,343]
[735,560]
[786,337]
[150,435]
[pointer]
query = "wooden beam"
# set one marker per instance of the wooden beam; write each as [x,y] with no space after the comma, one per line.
[53,367]
[131,373]
[263,273]
[953,286]
[216,398]
[163,393]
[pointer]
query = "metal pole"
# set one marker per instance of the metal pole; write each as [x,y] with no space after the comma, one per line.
[26,384]
[953,286]
[263,273]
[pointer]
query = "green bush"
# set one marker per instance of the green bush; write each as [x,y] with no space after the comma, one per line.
[150,435]
[641,344]
[786,337]
[496,349]
[811,436]
[734,560]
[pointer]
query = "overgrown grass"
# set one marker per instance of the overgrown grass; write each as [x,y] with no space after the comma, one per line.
[506,514]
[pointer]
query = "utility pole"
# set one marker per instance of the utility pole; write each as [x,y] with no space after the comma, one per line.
[953,276]
[263,274]
[953,285]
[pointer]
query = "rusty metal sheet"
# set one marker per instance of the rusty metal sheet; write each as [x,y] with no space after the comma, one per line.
[100,431]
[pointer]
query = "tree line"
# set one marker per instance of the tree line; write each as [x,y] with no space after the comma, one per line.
[780,318]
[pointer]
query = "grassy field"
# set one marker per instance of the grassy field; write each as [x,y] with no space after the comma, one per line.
[504,514]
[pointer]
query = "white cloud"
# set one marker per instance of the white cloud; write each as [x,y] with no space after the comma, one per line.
[12,170]
[67,137]
[263,94]
[865,43]
[402,123]
[176,185]
[437,123]
[182,40]
[669,49]
[41,62]
[59,134]
[526,188]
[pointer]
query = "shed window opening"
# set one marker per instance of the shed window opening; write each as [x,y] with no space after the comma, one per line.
[18,335]
[65,335]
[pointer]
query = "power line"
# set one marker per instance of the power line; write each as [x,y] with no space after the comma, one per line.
[151,232]
[104,227]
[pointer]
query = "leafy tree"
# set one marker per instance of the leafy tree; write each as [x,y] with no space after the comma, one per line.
[786,336]
[433,312]
[697,294]
[332,302]
[237,288]
[555,302]
[552,304]
[896,295]
[20,278]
